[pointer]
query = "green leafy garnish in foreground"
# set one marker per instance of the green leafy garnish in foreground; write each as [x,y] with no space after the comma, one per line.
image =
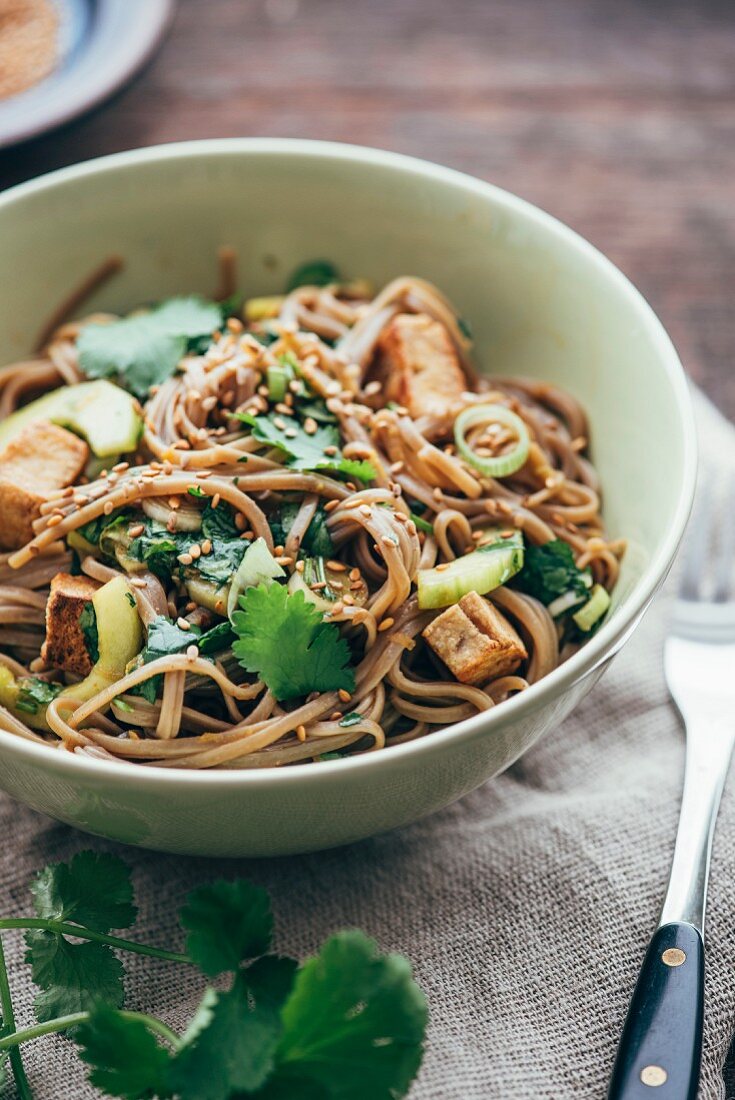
[308,451]
[550,570]
[316,541]
[286,642]
[349,1024]
[145,349]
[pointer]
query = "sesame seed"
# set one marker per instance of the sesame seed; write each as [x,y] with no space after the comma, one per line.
[348,600]
[240,521]
[442,566]
[386,624]
[388,540]
[279,423]
[137,582]
[396,467]
[310,426]
[202,475]
[330,452]
[301,733]
[108,507]
[355,574]
[195,550]
[331,505]
[336,566]
[54,521]
[248,534]
[365,510]
[215,500]
[207,546]
[185,559]
[284,409]
[437,494]
[338,608]
[183,624]
[121,467]
[290,433]
[192,651]
[135,530]
[373,388]
[336,716]
[299,567]
[344,695]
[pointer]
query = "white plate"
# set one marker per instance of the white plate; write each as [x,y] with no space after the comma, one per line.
[102,45]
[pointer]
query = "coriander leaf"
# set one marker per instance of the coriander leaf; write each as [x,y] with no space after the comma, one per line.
[145,349]
[219,522]
[126,1058]
[234,1052]
[354,1022]
[316,541]
[305,450]
[227,923]
[35,694]
[222,561]
[93,890]
[313,273]
[159,549]
[270,979]
[88,627]
[550,571]
[164,638]
[286,641]
[72,976]
[93,530]
[282,1086]
[215,640]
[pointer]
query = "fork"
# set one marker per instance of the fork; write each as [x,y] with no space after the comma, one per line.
[661,1044]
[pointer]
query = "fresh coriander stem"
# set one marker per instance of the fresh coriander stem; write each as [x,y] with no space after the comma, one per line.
[63,1023]
[6,1003]
[87,934]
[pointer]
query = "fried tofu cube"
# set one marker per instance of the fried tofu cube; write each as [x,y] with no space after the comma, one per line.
[39,459]
[65,645]
[475,641]
[419,366]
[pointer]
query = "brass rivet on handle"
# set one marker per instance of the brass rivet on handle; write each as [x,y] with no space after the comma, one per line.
[673,956]
[654,1076]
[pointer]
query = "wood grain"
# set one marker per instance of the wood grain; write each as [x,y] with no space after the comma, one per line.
[618,116]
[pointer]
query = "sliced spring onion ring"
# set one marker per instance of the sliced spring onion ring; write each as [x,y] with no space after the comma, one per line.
[564,603]
[594,609]
[499,465]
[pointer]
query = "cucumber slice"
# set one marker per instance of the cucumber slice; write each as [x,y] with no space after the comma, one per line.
[481,572]
[100,412]
[594,609]
[258,566]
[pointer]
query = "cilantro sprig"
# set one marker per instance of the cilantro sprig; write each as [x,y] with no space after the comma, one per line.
[145,349]
[347,1024]
[317,450]
[286,641]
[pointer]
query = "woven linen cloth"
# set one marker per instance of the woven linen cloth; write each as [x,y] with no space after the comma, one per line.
[525,908]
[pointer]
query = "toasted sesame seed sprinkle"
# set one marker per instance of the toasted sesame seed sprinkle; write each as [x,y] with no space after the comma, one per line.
[215,500]
[55,520]
[299,567]
[442,566]
[183,624]
[348,599]
[336,566]
[135,530]
[207,546]
[137,582]
[344,695]
[192,651]
[336,716]
[331,505]
[386,624]
[301,733]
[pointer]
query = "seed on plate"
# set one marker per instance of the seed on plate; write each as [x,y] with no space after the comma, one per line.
[442,566]
[279,423]
[386,624]
[336,716]
[355,574]
[137,582]
[55,520]
[301,733]
[331,505]
[107,507]
[344,695]
[348,599]
[183,624]
[135,530]
[185,559]
[192,651]
[310,425]
[195,550]
[336,566]
[207,546]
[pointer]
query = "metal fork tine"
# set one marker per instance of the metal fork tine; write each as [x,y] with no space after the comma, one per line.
[698,539]
[725,564]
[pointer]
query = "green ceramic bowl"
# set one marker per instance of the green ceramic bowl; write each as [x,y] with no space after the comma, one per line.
[541,301]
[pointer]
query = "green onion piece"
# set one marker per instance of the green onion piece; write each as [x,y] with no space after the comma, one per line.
[594,609]
[500,465]
[564,603]
[422,524]
[279,376]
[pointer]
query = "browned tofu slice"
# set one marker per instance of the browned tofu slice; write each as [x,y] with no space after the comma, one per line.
[475,641]
[40,458]
[65,645]
[418,365]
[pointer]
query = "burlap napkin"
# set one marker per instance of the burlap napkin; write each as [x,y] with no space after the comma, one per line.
[525,908]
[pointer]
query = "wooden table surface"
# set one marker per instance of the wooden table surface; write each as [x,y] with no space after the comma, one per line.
[618,116]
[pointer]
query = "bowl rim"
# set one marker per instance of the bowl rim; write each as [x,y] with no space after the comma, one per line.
[595,653]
